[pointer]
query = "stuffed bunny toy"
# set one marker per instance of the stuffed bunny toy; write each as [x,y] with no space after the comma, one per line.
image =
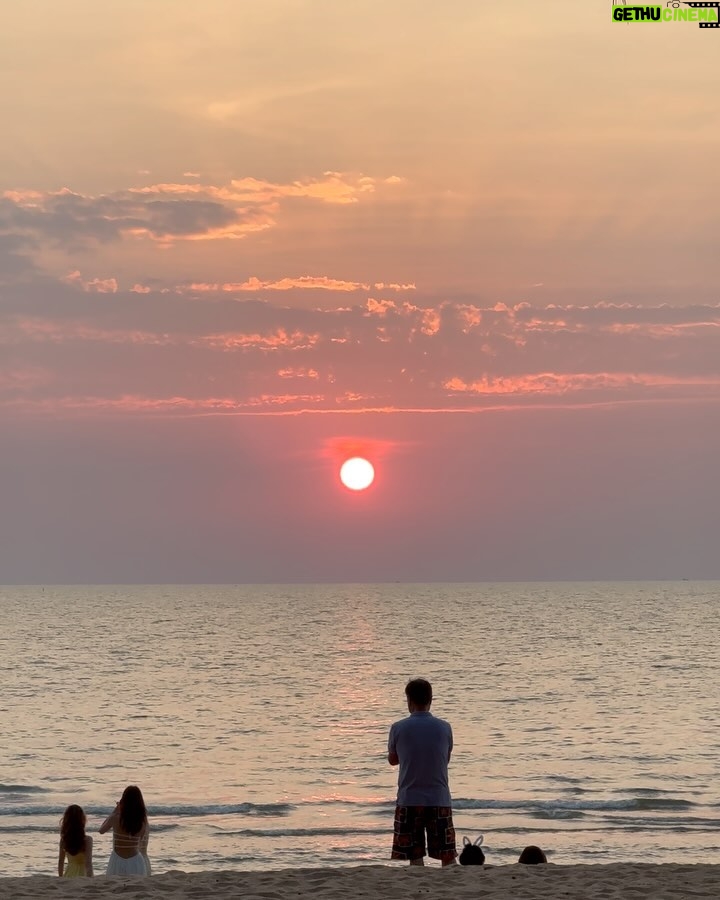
[472,854]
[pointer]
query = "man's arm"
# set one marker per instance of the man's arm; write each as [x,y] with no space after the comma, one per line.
[393,758]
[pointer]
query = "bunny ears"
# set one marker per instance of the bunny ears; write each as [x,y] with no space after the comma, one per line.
[476,843]
[472,853]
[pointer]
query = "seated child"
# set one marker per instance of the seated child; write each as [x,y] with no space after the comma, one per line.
[532,856]
[75,851]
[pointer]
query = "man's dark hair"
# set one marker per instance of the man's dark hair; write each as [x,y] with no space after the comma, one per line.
[419,692]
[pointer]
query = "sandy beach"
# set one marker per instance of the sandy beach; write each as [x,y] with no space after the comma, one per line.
[581,882]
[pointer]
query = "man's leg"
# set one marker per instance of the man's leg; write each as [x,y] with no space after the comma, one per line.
[409,835]
[440,834]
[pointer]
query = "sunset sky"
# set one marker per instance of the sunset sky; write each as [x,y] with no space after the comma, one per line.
[476,242]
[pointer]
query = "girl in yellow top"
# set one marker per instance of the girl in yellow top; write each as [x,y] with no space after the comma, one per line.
[75,845]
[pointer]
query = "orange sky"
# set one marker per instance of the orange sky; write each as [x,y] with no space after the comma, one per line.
[353,211]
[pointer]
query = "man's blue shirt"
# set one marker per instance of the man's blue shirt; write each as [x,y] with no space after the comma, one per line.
[422,744]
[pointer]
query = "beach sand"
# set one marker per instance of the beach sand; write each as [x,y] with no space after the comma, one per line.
[629,881]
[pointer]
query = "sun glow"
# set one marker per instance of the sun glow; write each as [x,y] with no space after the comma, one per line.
[357,473]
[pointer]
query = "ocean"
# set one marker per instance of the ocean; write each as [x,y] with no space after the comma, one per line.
[255,718]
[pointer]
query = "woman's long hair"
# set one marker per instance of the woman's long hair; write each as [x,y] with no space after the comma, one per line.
[72,829]
[133,814]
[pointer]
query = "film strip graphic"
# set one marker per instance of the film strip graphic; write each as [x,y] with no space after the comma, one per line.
[700,4]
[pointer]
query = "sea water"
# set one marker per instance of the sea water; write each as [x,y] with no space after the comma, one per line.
[255,719]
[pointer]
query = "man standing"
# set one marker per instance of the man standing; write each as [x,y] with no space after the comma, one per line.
[421,745]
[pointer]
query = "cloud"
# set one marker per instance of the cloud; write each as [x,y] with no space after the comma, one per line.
[163,350]
[70,219]
[255,285]
[301,283]
[97,285]
[167,213]
[298,373]
[14,262]
[552,384]
[381,286]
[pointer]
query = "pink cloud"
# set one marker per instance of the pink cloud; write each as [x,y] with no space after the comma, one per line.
[298,373]
[332,187]
[93,285]
[33,329]
[23,380]
[280,339]
[550,383]
[382,286]
[255,285]
[384,355]
[380,307]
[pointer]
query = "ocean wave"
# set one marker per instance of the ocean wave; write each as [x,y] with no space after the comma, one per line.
[555,813]
[562,808]
[54,829]
[23,789]
[671,823]
[224,809]
[172,811]
[584,805]
[571,804]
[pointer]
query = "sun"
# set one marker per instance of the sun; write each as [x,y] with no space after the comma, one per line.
[357,473]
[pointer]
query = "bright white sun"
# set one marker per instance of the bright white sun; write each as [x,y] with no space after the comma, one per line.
[357,473]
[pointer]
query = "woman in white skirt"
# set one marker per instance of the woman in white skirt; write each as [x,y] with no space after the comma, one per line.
[130,835]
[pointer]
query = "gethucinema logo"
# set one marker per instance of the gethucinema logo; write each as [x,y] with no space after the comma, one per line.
[705,12]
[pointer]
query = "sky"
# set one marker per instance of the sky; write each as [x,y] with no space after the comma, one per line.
[476,243]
